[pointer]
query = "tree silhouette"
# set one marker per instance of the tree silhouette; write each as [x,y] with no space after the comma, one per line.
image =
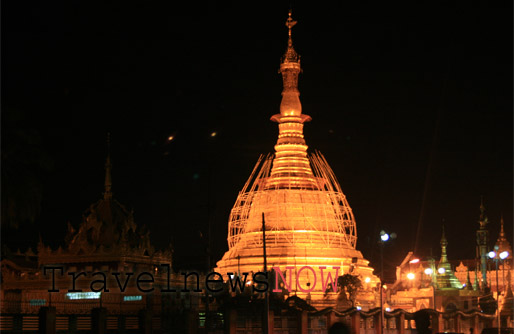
[349,284]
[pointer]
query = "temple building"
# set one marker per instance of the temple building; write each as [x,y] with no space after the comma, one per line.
[107,241]
[451,285]
[296,196]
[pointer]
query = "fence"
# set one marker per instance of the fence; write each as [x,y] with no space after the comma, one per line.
[236,321]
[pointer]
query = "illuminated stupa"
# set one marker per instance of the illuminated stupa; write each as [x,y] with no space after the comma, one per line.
[307,217]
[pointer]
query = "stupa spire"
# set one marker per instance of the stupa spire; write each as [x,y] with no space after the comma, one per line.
[290,55]
[291,168]
[444,244]
[482,243]
[502,242]
[108,166]
[483,218]
[445,277]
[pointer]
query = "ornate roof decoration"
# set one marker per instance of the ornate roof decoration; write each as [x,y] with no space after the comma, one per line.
[107,232]
[461,267]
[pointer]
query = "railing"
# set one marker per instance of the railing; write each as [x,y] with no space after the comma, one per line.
[238,321]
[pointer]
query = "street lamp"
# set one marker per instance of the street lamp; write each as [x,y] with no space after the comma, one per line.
[384,237]
[496,257]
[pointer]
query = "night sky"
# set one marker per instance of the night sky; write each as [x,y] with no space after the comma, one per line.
[411,106]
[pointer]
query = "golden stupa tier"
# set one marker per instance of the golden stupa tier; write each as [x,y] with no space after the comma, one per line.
[308,220]
[304,227]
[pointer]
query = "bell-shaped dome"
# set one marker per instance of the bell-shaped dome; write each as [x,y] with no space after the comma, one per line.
[294,202]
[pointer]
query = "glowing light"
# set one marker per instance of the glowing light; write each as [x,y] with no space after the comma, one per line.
[441,270]
[428,271]
[37,302]
[504,255]
[384,287]
[388,309]
[213,134]
[249,283]
[414,261]
[411,276]
[367,280]
[170,138]
[132,298]
[491,254]
[83,295]
[384,237]
[359,308]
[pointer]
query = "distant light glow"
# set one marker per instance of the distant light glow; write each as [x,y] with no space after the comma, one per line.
[441,270]
[83,295]
[388,309]
[384,287]
[411,276]
[428,271]
[359,308]
[170,138]
[367,280]
[132,298]
[504,255]
[491,254]
[213,134]
[384,237]
[37,302]
[414,261]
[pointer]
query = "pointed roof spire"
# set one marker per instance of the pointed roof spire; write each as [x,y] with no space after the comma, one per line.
[108,166]
[446,278]
[483,218]
[502,242]
[444,244]
[502,232]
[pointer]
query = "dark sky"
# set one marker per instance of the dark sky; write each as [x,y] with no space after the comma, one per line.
[411,105]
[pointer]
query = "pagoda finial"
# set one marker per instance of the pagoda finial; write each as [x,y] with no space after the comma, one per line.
[290,56]
[483,218]
[444,244]
[502,243]
[290,23]
[291,167]
[108,166]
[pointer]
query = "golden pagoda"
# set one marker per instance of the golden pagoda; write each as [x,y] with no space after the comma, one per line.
[308,221]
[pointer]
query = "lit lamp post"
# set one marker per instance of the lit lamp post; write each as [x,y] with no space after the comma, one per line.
[411,277]
[494,255]
[428,272]
[384,237]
